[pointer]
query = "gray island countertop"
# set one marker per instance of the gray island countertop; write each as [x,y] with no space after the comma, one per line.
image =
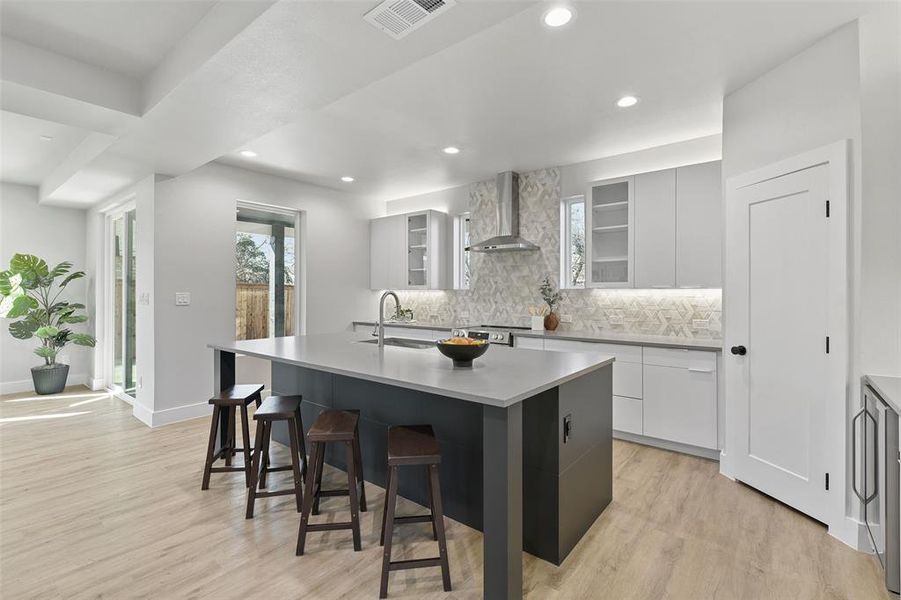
[501,377]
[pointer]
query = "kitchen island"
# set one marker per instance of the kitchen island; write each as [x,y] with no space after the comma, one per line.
[525,435]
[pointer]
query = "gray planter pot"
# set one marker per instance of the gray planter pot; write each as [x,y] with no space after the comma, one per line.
[50,379]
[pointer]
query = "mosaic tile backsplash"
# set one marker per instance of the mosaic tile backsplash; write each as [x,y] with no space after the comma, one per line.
[505,284]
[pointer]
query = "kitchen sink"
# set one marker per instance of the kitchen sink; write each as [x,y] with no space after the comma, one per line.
[402,342]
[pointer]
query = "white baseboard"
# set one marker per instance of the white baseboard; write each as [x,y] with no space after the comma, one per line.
[27,385]
[667,445]
[95,383]
[171,415]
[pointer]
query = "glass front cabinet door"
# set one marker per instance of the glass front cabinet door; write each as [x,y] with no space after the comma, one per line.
[609,233]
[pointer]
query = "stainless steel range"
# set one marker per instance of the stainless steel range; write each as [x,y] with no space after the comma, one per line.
[496,334]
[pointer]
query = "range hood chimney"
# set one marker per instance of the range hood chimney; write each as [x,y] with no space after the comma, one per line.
[507,238]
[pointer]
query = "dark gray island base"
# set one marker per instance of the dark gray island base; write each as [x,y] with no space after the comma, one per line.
[532,475]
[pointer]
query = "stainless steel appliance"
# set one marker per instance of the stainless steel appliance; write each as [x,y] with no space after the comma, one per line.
[875,427]
[496,334]
[507,238]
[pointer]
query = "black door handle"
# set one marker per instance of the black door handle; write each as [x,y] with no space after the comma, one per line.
[739,350]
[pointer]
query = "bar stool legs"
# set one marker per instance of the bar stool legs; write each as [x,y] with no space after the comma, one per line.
[285,409]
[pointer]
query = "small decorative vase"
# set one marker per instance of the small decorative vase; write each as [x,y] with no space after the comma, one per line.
[537,323]
[50,379]
[551,321]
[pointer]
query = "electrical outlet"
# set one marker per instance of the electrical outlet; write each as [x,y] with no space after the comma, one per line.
[566,318]
[616,320]
[144,299]
[700,323]
[182,298]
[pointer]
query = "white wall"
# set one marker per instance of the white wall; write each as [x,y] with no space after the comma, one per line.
[846,86]
[193,251]
[54,234]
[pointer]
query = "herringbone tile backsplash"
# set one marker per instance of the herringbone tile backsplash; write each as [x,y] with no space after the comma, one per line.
[505,284]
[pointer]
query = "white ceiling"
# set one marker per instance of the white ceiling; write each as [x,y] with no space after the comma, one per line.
[519,95]
[318,93]
[127,37]
[27,159]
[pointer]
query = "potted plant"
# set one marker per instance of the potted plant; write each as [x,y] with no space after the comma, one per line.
[552,298]
[30,294]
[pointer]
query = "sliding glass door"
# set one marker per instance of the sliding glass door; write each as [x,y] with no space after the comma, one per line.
[122,295]
[265,299]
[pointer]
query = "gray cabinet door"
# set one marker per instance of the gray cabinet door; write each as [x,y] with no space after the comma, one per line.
[655,229]
[699,225]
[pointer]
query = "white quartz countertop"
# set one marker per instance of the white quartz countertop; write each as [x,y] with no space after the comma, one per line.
[888,387]
[501,377]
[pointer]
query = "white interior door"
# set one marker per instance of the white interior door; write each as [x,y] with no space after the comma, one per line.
[778,271]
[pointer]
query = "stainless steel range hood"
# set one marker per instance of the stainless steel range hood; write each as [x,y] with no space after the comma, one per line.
[507,238]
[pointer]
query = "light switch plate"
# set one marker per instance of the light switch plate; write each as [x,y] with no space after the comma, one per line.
[144,299]
[182,298]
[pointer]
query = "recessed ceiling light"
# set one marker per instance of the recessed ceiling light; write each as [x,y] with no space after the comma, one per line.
[248,153]
[451,150]
[627,101]
[46,138]
[347,179]
[557,17]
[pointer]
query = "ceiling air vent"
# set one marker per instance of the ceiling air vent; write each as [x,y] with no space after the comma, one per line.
[397,18]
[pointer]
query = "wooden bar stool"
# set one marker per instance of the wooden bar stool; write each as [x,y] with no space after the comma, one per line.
[277,408]
[413,445]
[333,426]
[230,400]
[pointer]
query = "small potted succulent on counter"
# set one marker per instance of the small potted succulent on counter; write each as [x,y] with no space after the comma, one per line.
[552,298]
[30,293]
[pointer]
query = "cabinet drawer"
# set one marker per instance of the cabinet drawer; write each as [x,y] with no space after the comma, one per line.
[699,360]
[627,379]
[680,405]
[627,415]
[622,352]
[529,343]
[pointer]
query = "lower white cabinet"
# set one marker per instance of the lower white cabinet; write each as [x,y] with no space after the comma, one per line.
[680,404]
[627,414]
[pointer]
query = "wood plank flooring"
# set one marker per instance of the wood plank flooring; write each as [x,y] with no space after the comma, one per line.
[93,504]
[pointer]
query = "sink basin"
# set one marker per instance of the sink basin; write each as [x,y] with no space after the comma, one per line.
[402,342]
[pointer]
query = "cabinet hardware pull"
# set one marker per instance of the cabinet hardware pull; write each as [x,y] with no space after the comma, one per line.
[692,370]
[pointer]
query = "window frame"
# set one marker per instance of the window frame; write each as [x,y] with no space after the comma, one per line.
[566,205]
[460,249]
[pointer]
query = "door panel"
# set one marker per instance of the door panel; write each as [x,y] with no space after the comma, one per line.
[680,405]
[699,226]
[781,255]
[655,229]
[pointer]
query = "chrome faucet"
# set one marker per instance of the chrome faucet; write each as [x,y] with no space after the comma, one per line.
[382,315]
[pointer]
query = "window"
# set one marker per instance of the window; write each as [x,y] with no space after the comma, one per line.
[572,253]
[264,273]
[461,254]
[121,300]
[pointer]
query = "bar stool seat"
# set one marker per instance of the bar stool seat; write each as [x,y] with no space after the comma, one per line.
[273,409]
[230,400]
[413,445]
[333,426]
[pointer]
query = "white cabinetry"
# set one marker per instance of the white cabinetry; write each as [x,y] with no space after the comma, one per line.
[699,226]
[680,396]
[655,229]
[609,233]
[408,252]
[669,394]
[386,253]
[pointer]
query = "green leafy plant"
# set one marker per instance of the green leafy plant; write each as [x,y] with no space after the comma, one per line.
[550,294]
[29,293]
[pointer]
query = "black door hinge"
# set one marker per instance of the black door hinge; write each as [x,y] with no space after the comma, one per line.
[827,209]
[827,344]
[827,482]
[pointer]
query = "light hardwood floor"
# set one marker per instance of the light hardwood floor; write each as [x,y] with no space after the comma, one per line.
[93,504]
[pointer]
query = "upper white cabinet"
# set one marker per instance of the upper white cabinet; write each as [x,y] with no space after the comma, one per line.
[407,252]
[699,226]
[386,253]
[609,233]
[655,229]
